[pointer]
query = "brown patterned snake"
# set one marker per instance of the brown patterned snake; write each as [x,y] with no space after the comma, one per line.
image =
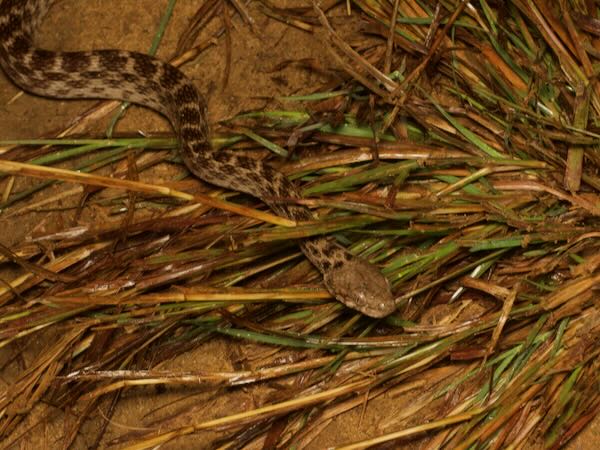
[142,79]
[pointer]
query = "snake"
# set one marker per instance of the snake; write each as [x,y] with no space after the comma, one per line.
[150,82]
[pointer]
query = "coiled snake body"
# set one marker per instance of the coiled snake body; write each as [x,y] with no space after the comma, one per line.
[145,80]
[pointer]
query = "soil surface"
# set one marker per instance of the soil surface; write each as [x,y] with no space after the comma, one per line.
[259,72]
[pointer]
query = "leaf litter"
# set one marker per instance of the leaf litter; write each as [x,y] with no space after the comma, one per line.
[456,150]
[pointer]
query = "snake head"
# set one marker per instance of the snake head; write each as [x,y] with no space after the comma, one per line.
[360,285]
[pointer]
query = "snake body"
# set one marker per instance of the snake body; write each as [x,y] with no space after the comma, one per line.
[147,81]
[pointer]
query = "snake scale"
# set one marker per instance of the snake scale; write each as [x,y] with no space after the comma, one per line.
[147,81]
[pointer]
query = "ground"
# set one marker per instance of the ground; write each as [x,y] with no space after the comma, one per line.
[258,74]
